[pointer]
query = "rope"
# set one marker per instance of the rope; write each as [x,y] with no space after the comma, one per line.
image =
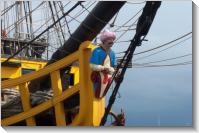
[177,64]
[168,59]
[123,25]
[7,9]
[76,15]
[102,21]
[136,2]
[62,10]
[21,20]
[12,105]
[162,49]
[165,44]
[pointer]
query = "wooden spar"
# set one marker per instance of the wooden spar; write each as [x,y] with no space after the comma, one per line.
[88,30]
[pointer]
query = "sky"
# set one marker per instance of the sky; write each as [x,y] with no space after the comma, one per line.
[160,96]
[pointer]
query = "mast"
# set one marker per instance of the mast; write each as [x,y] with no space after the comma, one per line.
[56,11]
[19,26]
[56,27]
[30,18]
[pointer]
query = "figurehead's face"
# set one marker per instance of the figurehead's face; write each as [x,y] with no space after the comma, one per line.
[108,43]
[107,37]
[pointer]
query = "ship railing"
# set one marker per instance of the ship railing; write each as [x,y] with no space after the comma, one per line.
[91,109]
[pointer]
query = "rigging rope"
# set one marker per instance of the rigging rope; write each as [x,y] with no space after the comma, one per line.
[160,45]
[136,2]
[57,14]
[55,26]
[123,25]
[7,9]
[75,16]
[102,21]
[177,64]
[140,58]
[168,59]
[164,44]
[21,19]
[62,10]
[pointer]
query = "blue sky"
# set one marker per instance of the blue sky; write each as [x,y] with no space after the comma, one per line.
[160,96]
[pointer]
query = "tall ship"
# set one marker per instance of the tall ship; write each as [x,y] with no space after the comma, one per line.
[45,52]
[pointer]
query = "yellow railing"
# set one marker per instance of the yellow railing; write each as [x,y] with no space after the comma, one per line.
[91,109]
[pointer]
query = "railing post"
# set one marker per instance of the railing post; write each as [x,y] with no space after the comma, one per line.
[25,99]
[57,90]
[85,84]
[91,108]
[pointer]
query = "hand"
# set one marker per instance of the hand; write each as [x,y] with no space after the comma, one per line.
[109,70]
[106,69]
